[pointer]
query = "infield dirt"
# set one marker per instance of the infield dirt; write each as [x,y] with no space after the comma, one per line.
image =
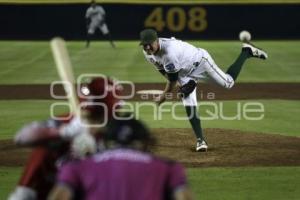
[226,148]
[204,91]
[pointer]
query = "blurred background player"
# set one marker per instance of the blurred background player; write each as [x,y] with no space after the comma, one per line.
[95,18]
[125,170]
[52,140]
[182,63]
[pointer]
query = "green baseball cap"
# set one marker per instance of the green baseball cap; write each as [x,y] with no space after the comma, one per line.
[147,36]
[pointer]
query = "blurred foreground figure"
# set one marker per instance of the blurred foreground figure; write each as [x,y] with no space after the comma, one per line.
[124,171]
[57,141]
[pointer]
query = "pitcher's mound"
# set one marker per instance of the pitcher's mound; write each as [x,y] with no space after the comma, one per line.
[228,148]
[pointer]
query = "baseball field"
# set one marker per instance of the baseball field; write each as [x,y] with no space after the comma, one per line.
[252,130]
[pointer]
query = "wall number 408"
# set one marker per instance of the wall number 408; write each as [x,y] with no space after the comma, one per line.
[177,19]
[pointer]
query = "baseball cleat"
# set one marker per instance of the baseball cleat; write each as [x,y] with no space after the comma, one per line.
[201,145]
[254,51]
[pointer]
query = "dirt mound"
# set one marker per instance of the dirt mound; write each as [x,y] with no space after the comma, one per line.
[10,155]
[226,148]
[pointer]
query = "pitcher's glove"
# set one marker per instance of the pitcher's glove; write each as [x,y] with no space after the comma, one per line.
[187,88]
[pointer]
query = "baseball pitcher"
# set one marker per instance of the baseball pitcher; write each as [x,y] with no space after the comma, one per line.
[185,64]
[95,18]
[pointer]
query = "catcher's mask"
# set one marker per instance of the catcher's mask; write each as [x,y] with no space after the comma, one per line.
[127,132]
[101,96]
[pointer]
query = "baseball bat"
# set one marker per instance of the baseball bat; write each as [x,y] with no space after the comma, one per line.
[65,71]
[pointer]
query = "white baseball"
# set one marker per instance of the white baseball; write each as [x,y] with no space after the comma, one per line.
[245,36]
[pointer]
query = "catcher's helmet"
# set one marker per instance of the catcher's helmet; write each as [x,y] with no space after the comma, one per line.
[101,90]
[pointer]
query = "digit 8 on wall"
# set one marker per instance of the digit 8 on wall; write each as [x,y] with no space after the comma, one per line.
[197,19]
[176,19]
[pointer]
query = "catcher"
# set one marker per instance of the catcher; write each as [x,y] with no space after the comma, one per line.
[183,63]
[52,140]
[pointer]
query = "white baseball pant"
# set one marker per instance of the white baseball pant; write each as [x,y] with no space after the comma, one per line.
[98,24]
[207,69]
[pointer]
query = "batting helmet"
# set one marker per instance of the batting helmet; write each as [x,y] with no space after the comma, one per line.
[125,132]
[99,94]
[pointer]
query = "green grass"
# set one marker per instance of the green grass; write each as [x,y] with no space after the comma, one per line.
[275,117]
[32,62]
[14,114]
[274,183]
[8,178]
[280,117]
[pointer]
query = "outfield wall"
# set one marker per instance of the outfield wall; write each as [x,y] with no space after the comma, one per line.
[193,21]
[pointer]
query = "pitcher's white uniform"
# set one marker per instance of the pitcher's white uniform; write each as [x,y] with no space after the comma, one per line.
[97,16]
[190,62]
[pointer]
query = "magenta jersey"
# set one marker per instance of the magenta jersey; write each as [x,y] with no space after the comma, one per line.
[122,174]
